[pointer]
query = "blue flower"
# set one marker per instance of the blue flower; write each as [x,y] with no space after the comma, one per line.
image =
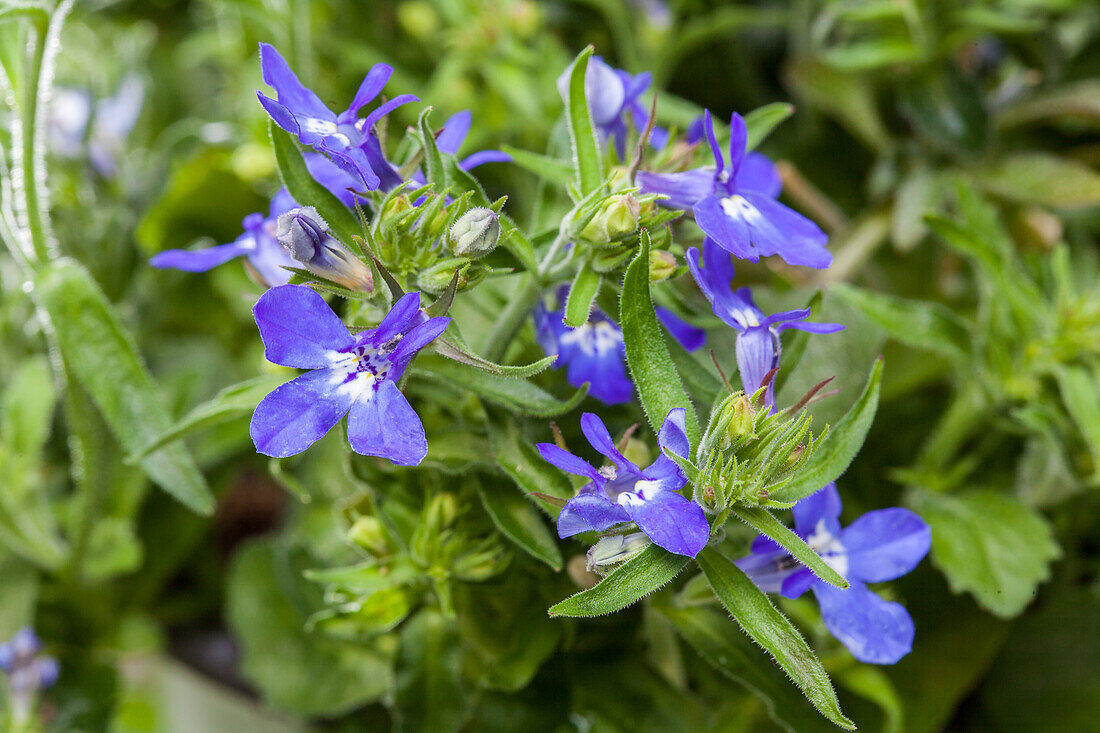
[879,546]
[257,243]
[758,344]
[612,94]
[356,374]
[736,205]
[27,671]
[624,493]
[593,353]
[344,137]
[70,111]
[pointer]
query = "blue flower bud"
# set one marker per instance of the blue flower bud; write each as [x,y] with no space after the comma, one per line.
[306,237]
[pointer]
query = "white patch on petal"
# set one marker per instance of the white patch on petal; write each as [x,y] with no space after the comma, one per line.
[327,128]
[594,338]
[828,546]
[737,207]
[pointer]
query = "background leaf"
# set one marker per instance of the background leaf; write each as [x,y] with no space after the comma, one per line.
[627,584]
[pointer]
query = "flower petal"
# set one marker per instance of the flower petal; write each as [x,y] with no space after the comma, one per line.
[605,373]
[758,173]
[822,504]
[671,521]
[708,128]
[739,136]
[299,413]
[885,544]
[589,512]
[783,231]
[383,423]
[764,569]
[201,260]
[731,233]
[481,157]
[400,318]
[416,339]
[798,582]
[673,433]
[332,177]
[370,87]
[756,356]
[875,631]
[454,132]
[596,433]
[683,189]
[568,462]
[292,94]
[298,328]
[687,335]
[386,107]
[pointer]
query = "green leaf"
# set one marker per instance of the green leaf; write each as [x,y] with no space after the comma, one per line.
[871,683]
[586,147]
[990,545]
[1079,101]
[20,594]
[839,447]
[230,403]
[764,522]
[307,191]
[586,285]
[627,584]
[452,347]
[546,168]
[104,359]
[433,160]
[762,120]
[515,394]
[922,325]
[295,670]
[430,693]
[655,376]
[518,520]
[1041,178]
[26,408]
[1078,387]
[521,461]
[769,628]
[712,636]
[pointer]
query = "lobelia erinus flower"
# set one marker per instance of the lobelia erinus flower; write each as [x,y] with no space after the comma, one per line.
[625,493]
[27,671]
[735,204]
[350,375]
[881,545]
[346,138]
[758,344]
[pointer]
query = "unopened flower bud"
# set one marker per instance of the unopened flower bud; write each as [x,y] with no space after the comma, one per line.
[742,418]
[441,512]
[617,217]
[475,233]
[436,278]
[662,264]
[616,549]
[394,208]
[368,533]
[306,238]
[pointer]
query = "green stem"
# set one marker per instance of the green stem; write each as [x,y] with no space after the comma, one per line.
[28,119]
[511,320]
[966,415]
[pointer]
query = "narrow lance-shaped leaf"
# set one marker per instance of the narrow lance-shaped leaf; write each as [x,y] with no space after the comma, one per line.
[710,633]
[586,285]
[839,447]
[232,402]
[586,147]
[655,376]
[543,166]
[308,192]
[102,356]
[627,584]
[762,120]
[1079,395]
[769,628]
[927,326]
[518,520]
[764,522]
[433,160]
[516,394]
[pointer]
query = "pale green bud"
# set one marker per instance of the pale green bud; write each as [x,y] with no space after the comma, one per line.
[370,534]
[616,549]
[617,217]
[475,233]
[662,264]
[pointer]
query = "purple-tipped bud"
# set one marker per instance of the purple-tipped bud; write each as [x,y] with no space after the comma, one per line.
[305,237]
